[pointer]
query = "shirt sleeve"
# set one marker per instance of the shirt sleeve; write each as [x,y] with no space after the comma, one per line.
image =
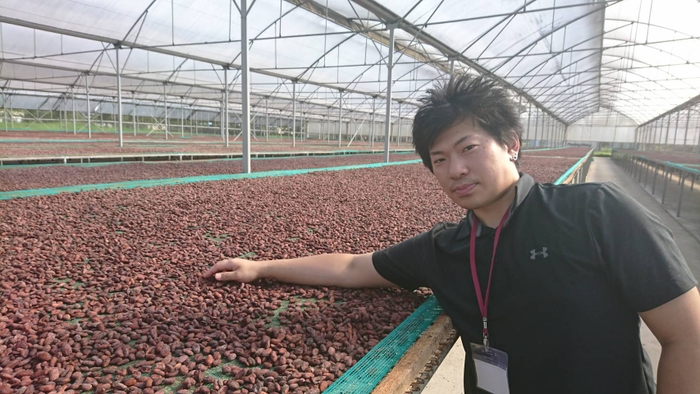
[639,253]
[404,263]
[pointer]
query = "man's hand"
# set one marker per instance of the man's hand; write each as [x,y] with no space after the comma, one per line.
[342,270]
[240,270]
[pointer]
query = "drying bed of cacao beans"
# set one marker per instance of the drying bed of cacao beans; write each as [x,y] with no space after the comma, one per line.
[673,157]
[110,136]
[69,175]
[34,149]
[153,137]
[565,152]
[102,291]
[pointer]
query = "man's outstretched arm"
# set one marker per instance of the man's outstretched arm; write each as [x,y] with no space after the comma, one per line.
[676,324]
[341,270]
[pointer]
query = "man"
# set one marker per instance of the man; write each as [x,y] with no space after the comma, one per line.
[557,309]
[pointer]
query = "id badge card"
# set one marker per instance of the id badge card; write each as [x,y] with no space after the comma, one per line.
[491,369]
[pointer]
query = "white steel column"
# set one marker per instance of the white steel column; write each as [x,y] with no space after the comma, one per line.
[245,87]
[389,83]
[687,122]
[119,99]
[398,128]
[133,113]
[4,109]
[61,113]
[340,118]
[537,121]
[221,116]
[165,110]
[12,119]
[294,113]
[224,112]
[267,121]
[675,132]
[529,113]
[89,109]
[561,135]
[72,101]
[182,117]
[371,122]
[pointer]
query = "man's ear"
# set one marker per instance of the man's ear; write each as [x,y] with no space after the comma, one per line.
[514,146]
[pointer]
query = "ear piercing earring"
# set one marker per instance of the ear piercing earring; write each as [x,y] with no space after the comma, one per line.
[515,157]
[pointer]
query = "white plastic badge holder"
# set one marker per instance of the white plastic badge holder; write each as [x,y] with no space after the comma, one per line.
[491,369]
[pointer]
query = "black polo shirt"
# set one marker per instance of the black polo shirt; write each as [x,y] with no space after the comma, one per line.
[574,266]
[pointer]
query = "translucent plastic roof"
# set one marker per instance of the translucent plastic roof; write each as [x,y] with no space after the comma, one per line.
[569,58]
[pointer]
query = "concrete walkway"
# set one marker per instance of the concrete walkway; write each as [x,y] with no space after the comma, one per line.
[448,378]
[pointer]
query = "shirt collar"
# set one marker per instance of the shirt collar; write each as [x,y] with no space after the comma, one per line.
[522,189]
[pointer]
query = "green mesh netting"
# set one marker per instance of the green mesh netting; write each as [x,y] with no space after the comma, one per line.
[371,369]
[176,181]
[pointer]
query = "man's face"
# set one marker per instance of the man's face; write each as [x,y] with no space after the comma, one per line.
[473,169]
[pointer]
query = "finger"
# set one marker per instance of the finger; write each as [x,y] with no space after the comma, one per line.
[227,276]
[223,265]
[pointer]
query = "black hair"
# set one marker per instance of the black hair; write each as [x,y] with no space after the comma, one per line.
[465,97]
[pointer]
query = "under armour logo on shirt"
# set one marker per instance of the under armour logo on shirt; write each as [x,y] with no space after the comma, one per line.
[534,253]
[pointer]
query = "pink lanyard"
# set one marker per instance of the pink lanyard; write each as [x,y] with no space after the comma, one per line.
[484,303]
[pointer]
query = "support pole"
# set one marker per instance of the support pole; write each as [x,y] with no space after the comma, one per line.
[398,128]
[681,175]
[12,120]
[89,108]
[294,114]
[182,117]
[267,121]
[537,120]
[668,129]
[389,85]
[340,118]
[62,114]
[675,133]
[165,110]
[4,109]
[562,128]
[687,123]
[529,113]
[72,101]
[371,122]
[225,104]
[647,138]
[133,113]
[560,136]
[328,127]
[563,136]
[245,87]
[221,116]
[119,99]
